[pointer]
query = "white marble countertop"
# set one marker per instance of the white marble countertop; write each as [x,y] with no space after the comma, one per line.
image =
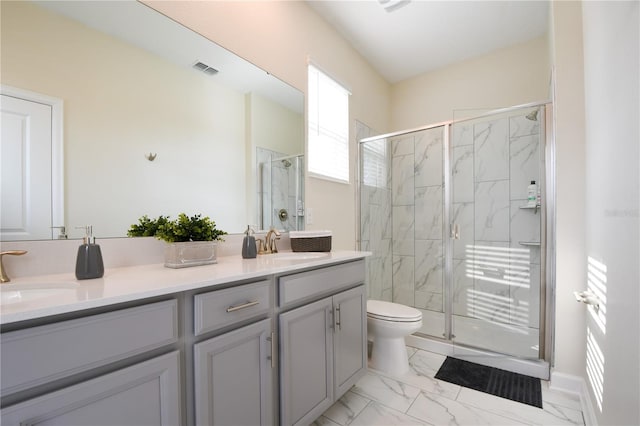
[139,282]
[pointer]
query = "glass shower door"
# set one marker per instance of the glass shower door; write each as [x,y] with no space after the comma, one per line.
[496,233]
[287,193]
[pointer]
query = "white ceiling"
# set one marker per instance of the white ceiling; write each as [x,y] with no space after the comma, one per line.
[426,35]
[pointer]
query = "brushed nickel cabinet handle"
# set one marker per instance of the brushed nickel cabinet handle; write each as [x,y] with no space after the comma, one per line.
[243,306]
[272,357]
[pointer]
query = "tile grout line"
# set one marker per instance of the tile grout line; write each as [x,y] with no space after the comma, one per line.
[360,413]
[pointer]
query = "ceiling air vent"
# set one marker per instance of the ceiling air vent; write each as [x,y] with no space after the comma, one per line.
[393,5]
[201,66]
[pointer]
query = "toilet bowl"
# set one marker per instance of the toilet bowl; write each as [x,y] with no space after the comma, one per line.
[388,324]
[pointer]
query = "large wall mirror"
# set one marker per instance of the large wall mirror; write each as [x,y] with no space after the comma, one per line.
[153,119]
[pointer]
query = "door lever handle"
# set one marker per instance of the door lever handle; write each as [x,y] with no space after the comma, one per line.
[588,298]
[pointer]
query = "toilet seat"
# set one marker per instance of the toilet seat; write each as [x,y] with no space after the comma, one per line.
[392,312]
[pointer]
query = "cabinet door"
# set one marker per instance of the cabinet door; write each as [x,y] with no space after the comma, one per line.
[306,362]
[233,377]
[350,338]
[144,394]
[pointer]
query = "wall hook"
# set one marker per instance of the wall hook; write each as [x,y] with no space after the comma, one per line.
[151,156]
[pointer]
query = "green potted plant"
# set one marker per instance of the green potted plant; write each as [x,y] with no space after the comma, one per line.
[191,240]
[146,227]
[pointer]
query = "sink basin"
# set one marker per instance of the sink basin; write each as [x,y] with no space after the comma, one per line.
[25,292]
[298,255]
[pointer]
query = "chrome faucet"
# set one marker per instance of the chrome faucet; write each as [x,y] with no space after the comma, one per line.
[3,274]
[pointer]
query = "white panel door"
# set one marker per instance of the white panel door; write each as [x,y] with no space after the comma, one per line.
[25,170]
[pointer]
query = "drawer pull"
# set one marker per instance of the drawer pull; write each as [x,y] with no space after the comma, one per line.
[243,306]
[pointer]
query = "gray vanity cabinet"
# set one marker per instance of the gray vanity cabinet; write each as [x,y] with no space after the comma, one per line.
[322,343]
[95,370]
[147,393]
[206,356]
[234,370]
[233,377]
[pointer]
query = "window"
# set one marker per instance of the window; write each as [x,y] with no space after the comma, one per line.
[328,127]
[375,163]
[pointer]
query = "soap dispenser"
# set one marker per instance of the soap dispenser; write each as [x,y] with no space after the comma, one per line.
[89,262]
[249,250]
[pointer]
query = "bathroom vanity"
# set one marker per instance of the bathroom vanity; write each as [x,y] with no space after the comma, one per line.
[273,340]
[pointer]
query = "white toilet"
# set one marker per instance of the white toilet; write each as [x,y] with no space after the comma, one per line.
[388,324]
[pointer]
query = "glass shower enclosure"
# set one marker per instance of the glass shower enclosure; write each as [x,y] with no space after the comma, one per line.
[280,191]
[445,210]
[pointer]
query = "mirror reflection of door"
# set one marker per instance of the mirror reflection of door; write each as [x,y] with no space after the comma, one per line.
[26,169]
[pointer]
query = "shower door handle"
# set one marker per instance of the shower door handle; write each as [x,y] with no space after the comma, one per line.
[455,231]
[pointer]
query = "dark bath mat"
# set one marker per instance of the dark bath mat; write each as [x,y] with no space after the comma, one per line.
[505,384]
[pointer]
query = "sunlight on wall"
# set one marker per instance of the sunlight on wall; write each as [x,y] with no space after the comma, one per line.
[597,284]
[595,367]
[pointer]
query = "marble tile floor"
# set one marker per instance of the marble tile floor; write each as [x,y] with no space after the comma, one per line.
[417,398]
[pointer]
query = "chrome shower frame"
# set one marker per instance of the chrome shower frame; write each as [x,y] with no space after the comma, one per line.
[446,345]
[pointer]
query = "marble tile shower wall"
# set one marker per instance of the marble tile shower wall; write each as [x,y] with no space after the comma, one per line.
[375,212]
[401,180]
[417,212]
[496,278]
[402,192]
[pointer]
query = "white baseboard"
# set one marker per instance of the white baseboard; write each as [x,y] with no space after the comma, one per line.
[575,384]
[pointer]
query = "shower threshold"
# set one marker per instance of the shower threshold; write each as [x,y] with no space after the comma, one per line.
[529,367]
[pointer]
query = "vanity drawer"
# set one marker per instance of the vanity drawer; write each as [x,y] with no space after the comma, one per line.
[307,285]
[220,308]
[38,355]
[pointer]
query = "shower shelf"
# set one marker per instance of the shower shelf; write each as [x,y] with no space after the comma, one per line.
[529,243]
[534,208]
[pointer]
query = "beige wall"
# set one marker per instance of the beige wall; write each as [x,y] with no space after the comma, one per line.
[273,126]
[569,125]
[506,77]
[612,109]
[280,37]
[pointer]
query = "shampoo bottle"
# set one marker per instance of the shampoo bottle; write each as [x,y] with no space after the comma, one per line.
[532,194]
[89,261]
[249,250]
